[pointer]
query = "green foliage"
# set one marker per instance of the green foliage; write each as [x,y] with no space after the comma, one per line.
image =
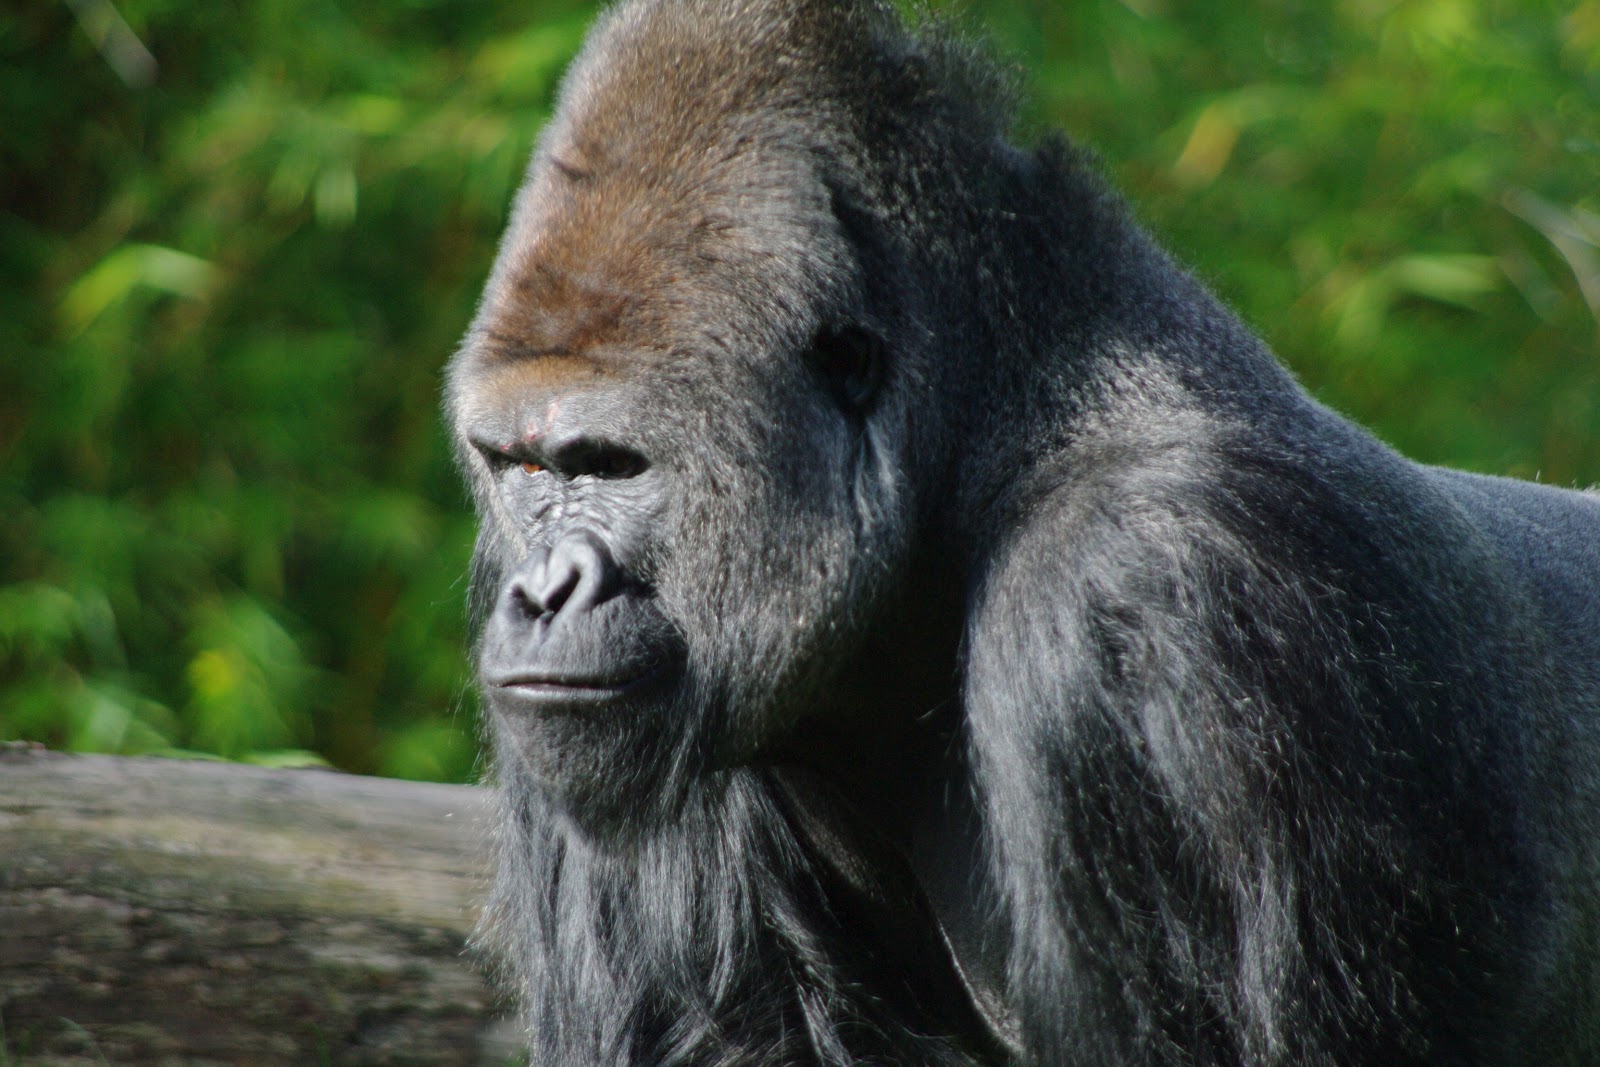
[228,518]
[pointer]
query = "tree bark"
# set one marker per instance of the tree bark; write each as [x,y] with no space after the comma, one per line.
[167,911]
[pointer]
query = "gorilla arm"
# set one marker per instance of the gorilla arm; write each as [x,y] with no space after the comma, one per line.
[1245,790]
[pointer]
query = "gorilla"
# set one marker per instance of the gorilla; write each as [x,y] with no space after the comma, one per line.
[918,625]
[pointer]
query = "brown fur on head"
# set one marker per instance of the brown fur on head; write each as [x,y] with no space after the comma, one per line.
[673,173]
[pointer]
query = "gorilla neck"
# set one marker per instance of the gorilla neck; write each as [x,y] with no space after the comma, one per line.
[913,870]
[879,794]
[872,789]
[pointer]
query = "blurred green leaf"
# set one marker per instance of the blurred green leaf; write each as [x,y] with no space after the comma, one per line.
[287,758]
[524,66]
[431,749]
[36,619]
[245,681]
[127,268]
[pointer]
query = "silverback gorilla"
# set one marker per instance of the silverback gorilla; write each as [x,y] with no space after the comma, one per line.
[920,626]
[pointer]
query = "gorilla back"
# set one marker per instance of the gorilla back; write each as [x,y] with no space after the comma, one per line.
[921,626]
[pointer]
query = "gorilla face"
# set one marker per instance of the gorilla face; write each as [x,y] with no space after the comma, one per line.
[577,657]
[674,419]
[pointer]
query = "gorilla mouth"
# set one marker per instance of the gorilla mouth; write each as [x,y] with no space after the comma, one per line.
[561,691]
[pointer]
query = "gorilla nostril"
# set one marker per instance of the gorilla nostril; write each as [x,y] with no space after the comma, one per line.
[524,603]
[581,574]
[523,592]
[560,581]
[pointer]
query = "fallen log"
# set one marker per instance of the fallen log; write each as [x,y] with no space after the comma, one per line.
[171,911]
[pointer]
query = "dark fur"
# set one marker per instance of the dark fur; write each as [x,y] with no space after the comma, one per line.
[1083,693]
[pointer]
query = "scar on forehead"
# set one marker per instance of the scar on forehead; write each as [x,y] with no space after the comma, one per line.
[537,429]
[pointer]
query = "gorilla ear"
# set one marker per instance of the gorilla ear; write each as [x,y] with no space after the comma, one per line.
[849,360]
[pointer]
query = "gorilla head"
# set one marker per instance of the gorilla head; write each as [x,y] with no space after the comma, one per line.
[699,461]
[921,626]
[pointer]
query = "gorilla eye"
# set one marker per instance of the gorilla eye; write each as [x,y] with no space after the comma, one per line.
[849,360]
[532,468]
[621,465]
[616,463]
[598,459]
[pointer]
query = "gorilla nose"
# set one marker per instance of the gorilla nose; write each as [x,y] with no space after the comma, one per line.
[574,576]
[572,632]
